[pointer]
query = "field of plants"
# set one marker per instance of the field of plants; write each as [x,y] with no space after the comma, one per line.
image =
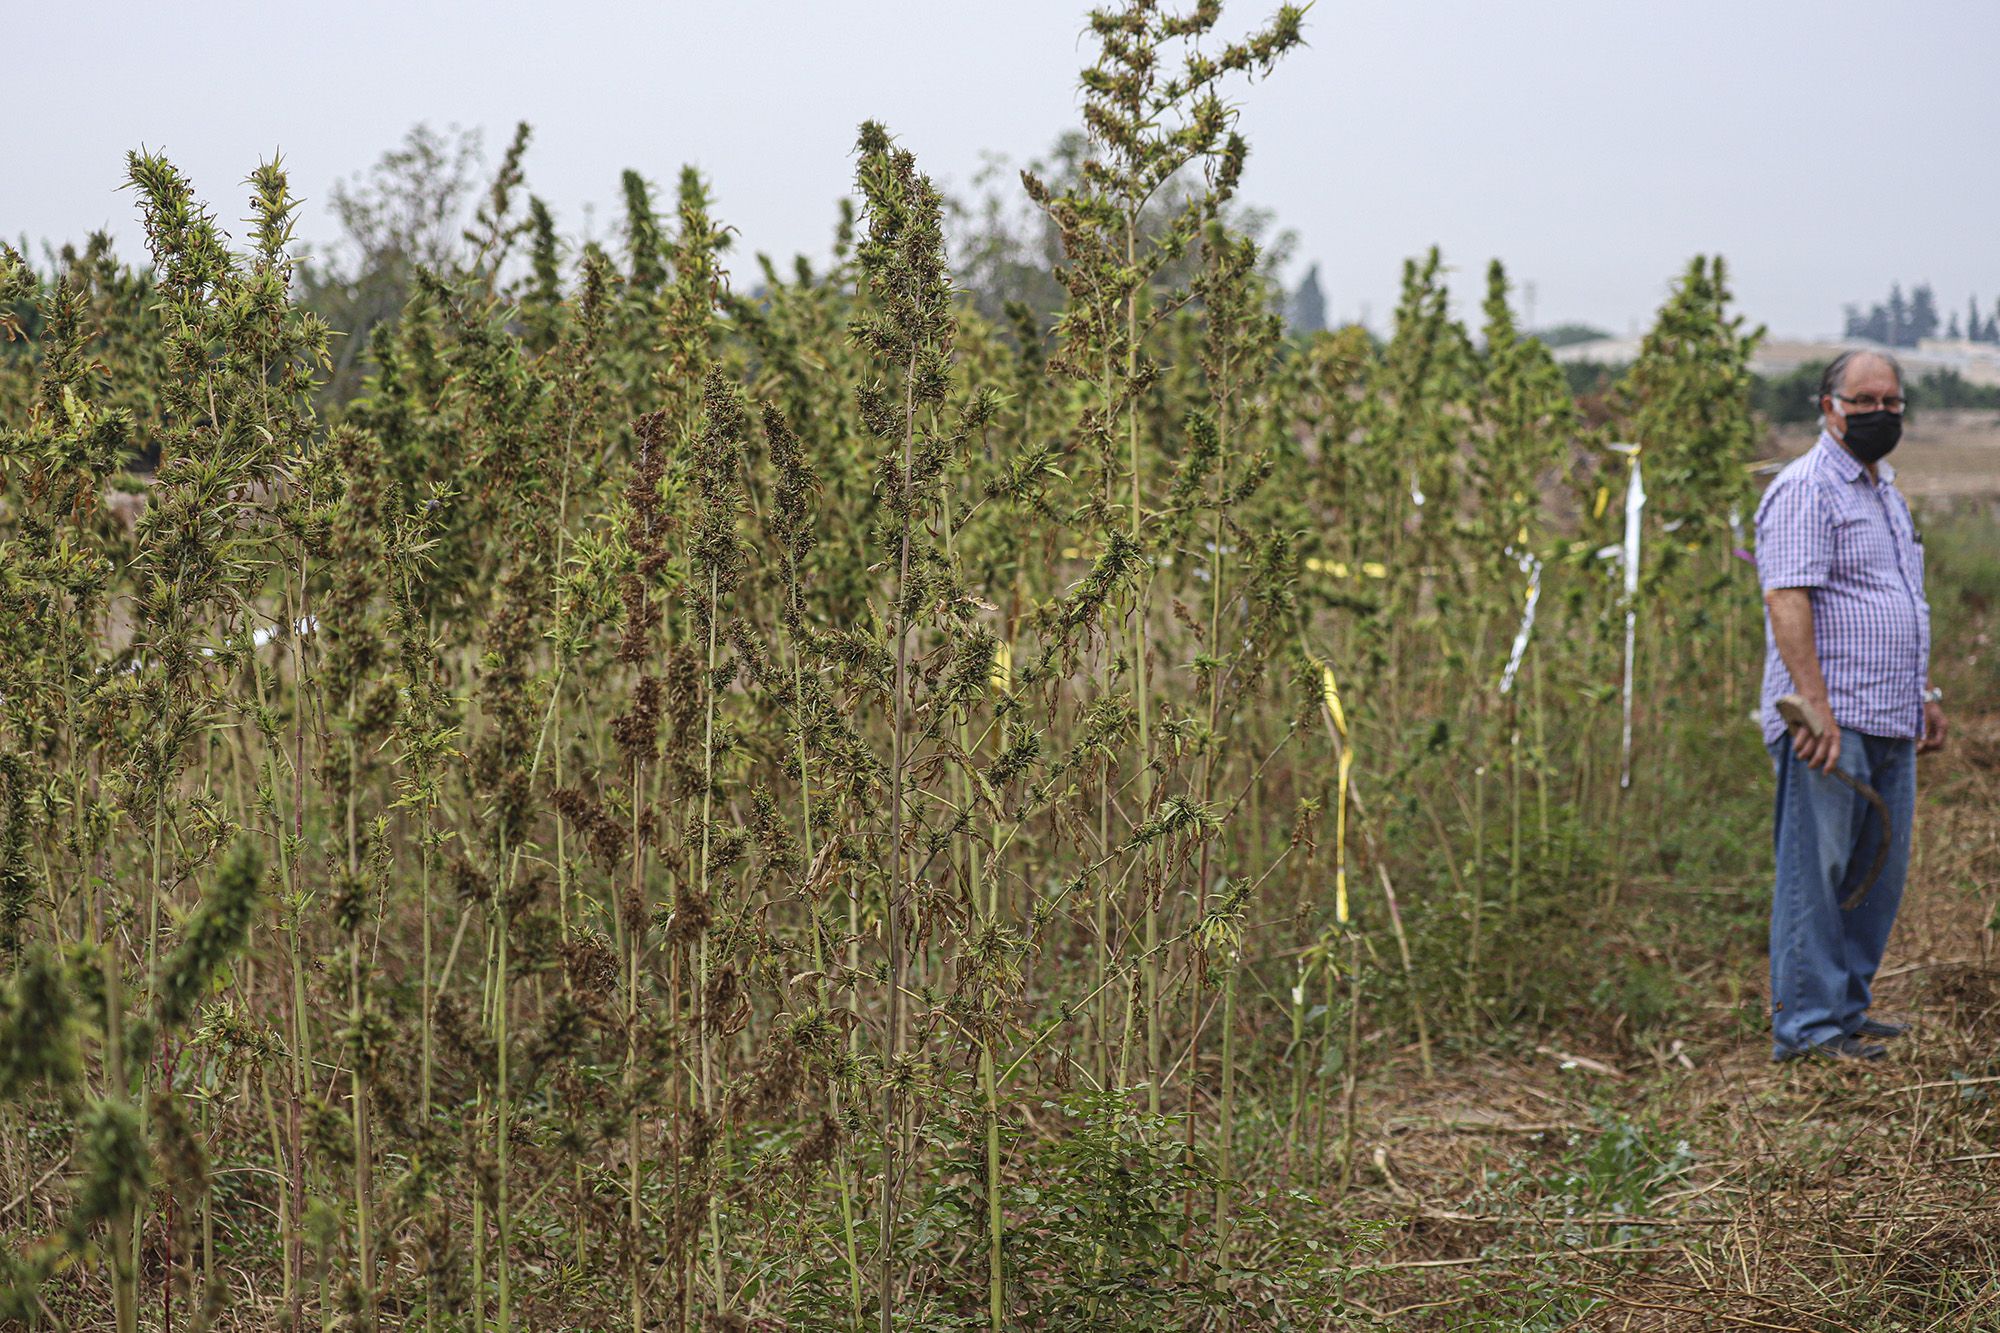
[708,796]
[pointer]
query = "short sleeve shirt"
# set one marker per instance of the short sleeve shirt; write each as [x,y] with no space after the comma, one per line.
[1848,539]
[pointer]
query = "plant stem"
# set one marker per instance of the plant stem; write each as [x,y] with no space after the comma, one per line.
[1225,1121]
[628,951]
[893,1033]
[703,1018]
[503,1004]
[1141,646]
[849,1242]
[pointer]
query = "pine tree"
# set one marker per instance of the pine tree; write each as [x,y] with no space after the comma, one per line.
[1877,327]
[1308,313]
[1923,316]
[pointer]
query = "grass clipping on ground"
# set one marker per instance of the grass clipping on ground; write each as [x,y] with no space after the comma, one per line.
[1672,1177]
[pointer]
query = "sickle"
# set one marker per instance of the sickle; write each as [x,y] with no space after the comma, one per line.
[1801,716]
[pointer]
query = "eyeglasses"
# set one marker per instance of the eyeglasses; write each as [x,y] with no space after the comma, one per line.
[1868,402]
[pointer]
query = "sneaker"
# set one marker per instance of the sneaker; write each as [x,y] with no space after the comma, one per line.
[1839,1048]
[1871,1028]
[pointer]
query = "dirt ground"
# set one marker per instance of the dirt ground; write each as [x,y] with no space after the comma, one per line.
[1695,1185]
[1943,456]
[1680,1180]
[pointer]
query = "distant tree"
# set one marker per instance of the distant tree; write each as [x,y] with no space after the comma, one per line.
[1007,250]
[1308,312]
[1587,379]
[1945,389]
[406,212]
[1789,399]
[1568,335]
[1951,329]
[1923,317]
[1872,324]
[1904,322]
[1899,318]
[1979,328]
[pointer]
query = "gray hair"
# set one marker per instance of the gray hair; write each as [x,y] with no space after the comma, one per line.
[1834,378]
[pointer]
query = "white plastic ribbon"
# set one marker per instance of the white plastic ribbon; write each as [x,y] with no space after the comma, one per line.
[1635,509]
[258,638]
[1531,565]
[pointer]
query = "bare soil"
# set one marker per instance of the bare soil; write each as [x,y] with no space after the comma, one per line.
[1813,1195]
[1594,1177]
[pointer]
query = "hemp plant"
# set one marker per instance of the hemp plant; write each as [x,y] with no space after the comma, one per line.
[677,805]
[1525,423]
[908,329]
[1150,118]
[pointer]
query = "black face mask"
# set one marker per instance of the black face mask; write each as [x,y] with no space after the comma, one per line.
[1871,435]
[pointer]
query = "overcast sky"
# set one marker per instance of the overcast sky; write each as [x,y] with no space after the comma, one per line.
[1826,148]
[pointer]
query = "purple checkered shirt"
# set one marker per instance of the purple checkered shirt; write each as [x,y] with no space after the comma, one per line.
[1826,527]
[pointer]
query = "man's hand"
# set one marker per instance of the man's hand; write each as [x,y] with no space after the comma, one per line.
[1822,751]
[1792,630]
[1934,728]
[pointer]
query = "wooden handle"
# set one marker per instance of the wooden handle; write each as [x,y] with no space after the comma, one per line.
[1797,713]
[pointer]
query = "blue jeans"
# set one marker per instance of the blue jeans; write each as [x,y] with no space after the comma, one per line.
[1823,959]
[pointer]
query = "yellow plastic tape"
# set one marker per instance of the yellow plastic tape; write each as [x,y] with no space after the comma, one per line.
[1340,840]
[1330,694]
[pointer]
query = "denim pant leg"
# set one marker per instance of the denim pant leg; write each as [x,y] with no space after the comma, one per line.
[1817,822]
[1892,771]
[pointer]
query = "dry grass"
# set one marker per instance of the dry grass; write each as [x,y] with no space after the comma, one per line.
[1815,1196]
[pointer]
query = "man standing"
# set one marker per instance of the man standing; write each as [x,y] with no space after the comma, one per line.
[1849,631]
